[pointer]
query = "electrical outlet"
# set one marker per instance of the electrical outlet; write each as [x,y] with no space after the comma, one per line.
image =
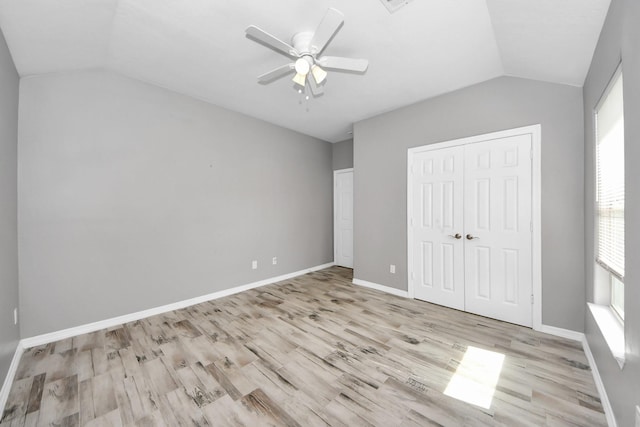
[637,416]
[392,269]
[15,316]
[274,260]
[254,264]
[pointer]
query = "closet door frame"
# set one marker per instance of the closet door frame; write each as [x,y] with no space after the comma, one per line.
[536,215]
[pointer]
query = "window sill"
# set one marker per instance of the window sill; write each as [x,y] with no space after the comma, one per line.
[612,330]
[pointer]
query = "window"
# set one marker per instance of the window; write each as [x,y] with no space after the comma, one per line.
[610,189]
[617,296]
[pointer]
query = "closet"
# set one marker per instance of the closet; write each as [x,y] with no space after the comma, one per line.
[470,230]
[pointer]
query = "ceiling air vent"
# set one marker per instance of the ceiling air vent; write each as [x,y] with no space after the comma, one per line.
[393,5]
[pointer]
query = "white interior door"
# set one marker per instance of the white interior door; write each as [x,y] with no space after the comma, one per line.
[343,217]
[470,227]
[498,226]
[437,218]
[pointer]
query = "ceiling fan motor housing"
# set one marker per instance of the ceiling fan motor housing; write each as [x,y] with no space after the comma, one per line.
[302,43]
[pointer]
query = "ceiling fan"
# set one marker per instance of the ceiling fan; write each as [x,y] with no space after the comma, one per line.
[305,49]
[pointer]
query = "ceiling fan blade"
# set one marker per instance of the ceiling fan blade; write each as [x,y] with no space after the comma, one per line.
[329,25]
[270,40]
[316,89]
[344,64]
[276,73]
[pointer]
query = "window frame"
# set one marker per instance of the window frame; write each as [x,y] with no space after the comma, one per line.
[613,275]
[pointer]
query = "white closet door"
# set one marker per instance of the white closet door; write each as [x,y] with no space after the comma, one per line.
[437,217]
[497,217]
[343,221]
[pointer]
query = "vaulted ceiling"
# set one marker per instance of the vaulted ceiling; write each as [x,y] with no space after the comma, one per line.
[199,48]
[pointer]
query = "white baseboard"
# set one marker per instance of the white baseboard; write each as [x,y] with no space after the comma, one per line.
[383,288]
[114,321]
[604,399]
[8,380]
[563,333]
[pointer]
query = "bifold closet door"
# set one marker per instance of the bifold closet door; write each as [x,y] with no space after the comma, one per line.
[437,226]
[497,219]
[471,228]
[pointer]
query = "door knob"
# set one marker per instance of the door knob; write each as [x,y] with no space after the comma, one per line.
[456,236]
[470,237]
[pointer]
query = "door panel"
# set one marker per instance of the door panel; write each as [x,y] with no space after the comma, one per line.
[497,216]
[427,205]
[437,215]
[343,224]
[482,210]
[482,272]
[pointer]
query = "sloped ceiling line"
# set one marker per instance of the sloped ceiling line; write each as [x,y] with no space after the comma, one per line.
[199,48]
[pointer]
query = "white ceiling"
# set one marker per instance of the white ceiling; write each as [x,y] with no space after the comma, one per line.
[199,48]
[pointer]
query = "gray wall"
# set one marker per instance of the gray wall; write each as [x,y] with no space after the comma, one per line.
[380,174]
[131,197]
[9,332]
[619,39]
[342,154]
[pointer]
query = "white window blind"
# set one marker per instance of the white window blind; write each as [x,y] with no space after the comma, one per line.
[610,179]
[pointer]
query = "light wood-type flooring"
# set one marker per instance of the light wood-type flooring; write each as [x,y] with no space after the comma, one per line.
[311,351]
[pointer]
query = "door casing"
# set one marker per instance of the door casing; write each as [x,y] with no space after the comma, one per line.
[536,215]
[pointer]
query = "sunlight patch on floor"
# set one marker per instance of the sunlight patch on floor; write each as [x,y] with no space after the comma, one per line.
[476,377]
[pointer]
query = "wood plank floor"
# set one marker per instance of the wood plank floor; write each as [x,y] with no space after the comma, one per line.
[310,351]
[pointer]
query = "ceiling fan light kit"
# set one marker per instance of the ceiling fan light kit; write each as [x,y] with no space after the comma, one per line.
[299,79]
[318,74]
[305,49]
[302,66]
